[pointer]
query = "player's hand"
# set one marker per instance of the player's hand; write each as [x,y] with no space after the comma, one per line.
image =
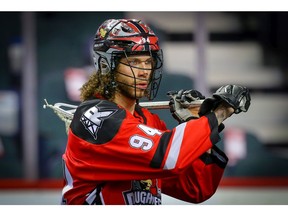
[181,104]
[235,96]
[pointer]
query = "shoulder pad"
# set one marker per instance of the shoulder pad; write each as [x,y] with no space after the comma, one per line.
[97,121]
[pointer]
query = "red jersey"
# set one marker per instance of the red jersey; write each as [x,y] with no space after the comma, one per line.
[114,157]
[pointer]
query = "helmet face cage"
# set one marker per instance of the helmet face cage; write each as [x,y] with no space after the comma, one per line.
[156,75]
[116,39]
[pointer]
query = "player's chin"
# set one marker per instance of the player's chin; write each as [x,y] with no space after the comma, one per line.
[140,93]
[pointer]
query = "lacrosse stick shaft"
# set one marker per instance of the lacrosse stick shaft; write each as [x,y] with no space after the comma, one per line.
[152,105]
[66,111]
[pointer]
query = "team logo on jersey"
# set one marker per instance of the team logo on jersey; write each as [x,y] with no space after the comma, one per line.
[143,192]
[93,119]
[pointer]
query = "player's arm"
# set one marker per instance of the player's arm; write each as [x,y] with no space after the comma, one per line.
[183,109]
[228,99]
[200,181]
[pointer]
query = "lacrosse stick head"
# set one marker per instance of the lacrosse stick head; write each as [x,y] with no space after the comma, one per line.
[64,111]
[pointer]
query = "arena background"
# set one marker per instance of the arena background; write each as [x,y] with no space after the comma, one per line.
[47,55]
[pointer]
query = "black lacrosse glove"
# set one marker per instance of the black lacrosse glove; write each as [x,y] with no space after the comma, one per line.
[236,96]
[180,101]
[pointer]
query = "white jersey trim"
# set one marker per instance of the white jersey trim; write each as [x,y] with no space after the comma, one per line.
[175,147]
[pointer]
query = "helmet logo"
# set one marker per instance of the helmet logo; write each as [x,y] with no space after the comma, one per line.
[102,32]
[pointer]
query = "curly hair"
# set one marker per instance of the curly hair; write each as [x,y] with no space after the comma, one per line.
[98,84]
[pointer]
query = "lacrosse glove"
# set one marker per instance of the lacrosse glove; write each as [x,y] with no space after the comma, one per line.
[236,96]
[180,101]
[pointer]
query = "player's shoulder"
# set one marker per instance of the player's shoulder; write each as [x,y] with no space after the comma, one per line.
[97,121]
[146,112]
[151,118]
